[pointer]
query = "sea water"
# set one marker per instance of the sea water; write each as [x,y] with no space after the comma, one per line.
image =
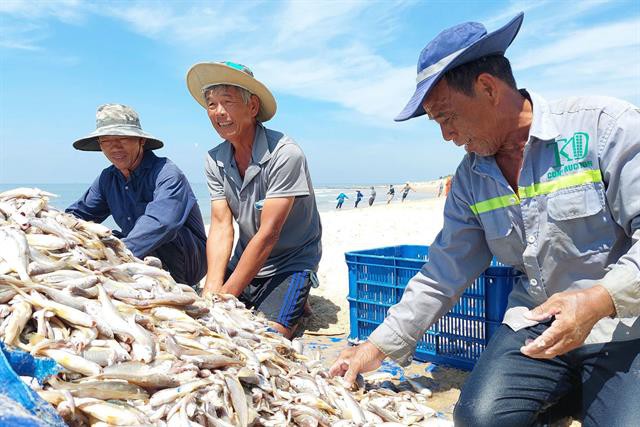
[325,196]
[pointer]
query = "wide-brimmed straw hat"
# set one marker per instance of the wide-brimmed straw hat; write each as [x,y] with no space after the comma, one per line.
[116,120]
[205,74]
[453,47]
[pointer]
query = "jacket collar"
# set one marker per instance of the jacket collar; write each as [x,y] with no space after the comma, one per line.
[260,154]
[148,160]
[542,126]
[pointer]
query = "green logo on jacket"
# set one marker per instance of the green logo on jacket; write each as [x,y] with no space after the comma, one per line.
[568,152]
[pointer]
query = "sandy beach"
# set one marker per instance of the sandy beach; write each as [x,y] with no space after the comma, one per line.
[411,222]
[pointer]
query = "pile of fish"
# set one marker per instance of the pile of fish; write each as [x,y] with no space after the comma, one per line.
[138,348]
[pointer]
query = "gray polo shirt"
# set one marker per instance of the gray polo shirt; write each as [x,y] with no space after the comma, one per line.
[278,168]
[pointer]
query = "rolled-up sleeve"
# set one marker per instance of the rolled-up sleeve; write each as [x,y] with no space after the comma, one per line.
[457,256]
[164,215]
[620,167]
[92,206]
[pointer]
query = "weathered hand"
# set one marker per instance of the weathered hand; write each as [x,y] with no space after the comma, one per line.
[354,360]
[575,312]
[211,288]
[230,289]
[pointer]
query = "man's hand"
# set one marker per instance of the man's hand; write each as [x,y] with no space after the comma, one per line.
[354,360]
[211,287]
[575,312]
[230,289]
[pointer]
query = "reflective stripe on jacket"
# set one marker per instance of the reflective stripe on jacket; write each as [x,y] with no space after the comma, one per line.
[574,223]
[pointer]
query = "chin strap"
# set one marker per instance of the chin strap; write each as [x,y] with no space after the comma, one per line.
[136,159]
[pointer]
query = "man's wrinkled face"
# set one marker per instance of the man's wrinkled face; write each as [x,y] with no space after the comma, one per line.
[230,115]
[466,120]
[122,151]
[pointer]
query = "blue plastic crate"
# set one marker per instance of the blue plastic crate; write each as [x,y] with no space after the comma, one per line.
[377,278]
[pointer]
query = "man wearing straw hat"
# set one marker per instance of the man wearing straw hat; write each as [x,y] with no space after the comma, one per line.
[259,177]
[552,189]
[148,196]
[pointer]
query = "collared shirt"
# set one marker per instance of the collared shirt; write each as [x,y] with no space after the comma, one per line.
[150,207]
[278,168]
[574,224]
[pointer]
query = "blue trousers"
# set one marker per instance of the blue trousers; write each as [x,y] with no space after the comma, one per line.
[598,383]
[185,257]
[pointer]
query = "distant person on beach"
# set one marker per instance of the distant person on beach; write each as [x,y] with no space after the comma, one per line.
[391,193]
[550,188]
[148,196]
[340,200]
[440,187]
[405,191]
[372,196]
[359,197]
[259,178]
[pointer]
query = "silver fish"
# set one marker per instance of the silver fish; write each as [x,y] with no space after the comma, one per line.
[25,193]
[73,362]
[103,389]
[140,374]
[118,414]
[238,399]
[14,249]
[46,241]
[15,323]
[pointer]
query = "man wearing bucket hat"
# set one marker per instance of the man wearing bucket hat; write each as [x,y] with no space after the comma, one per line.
[550,188]
[259,177]
[148,196]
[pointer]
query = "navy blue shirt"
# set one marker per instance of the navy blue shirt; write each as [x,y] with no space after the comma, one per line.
[150,208]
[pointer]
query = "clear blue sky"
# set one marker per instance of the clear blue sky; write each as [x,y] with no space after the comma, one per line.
[340,72]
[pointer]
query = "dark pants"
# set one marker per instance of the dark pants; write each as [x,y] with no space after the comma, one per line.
[357,201]
[280,298]
[185,257]
[339,205]
[598,382]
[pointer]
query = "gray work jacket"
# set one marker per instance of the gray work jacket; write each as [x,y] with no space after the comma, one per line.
[574,224]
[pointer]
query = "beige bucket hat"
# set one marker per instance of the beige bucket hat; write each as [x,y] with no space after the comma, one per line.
[116,120]
[206,74]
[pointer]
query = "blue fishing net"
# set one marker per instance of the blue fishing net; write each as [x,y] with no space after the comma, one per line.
[19,404]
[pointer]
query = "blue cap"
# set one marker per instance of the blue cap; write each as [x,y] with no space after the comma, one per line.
[452,47]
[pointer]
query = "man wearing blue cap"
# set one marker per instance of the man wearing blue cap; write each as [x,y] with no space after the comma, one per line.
[552,189]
